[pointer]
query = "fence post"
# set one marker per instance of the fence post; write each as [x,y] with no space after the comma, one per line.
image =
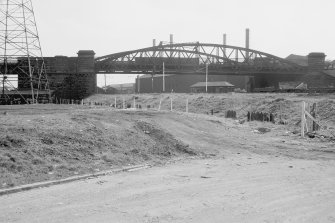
[171,103]
[187,105]
[123,104]
[303,119]
[134,102]
[313,113]
[160,104]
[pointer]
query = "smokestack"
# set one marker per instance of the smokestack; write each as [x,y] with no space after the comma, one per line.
[247,39]
[171,42]
[224,43]
[154,42]
[171,38]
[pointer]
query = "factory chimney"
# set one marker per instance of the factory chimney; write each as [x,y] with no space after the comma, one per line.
[224,43]
[247,42]
[171,38]
[171,42]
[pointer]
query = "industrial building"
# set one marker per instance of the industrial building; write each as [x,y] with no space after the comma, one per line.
[212,87]
[182,83]
[315,77]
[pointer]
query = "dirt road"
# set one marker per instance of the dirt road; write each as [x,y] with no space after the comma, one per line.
[241,188]
[245,177]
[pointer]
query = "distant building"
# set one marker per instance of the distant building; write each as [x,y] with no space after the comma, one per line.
[212,87]
[182,83]
[292,85]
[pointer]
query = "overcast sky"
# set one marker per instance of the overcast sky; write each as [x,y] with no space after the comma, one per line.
[279,27]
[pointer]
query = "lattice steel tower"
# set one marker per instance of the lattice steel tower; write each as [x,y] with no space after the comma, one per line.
[21,55]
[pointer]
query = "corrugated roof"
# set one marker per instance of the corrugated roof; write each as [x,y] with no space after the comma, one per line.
[213,84]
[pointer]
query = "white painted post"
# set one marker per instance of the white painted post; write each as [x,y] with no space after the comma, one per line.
[187,105]
[124,104]
[171,103]
[115,102]
[160,105]
[82,102]
[134,103]
[303,117]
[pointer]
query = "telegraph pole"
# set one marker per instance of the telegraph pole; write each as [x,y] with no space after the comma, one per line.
[163,77]
[206,77]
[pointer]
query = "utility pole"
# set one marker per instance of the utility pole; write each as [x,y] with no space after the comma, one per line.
[163,77]
[105,83]
[206,77]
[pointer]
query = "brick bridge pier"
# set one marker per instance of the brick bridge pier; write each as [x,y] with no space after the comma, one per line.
[72,77]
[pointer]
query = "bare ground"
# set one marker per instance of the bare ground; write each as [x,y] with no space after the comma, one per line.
[285,106]
[52,142]
[246,177]
[208,168]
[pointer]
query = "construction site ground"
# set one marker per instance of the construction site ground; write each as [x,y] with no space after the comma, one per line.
[205,168]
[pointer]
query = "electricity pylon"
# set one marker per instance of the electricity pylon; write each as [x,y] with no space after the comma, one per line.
[22,67]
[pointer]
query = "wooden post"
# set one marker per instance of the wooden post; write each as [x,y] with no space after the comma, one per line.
[313,113]
[187,105]
[303,119]
[309,122]
[160,104]
[280,116]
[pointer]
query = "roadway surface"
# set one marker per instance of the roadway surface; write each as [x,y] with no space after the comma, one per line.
[247,180]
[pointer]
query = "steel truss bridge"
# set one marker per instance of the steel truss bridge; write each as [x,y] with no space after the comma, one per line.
[191,58]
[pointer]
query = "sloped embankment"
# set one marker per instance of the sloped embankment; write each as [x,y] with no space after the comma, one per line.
[37,146]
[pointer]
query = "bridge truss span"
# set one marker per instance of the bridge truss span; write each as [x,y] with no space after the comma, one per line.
[191,58]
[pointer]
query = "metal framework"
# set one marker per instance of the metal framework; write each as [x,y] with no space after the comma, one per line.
[191,58]
[22,67]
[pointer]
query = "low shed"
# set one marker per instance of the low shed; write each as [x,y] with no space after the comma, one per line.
[213,87]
